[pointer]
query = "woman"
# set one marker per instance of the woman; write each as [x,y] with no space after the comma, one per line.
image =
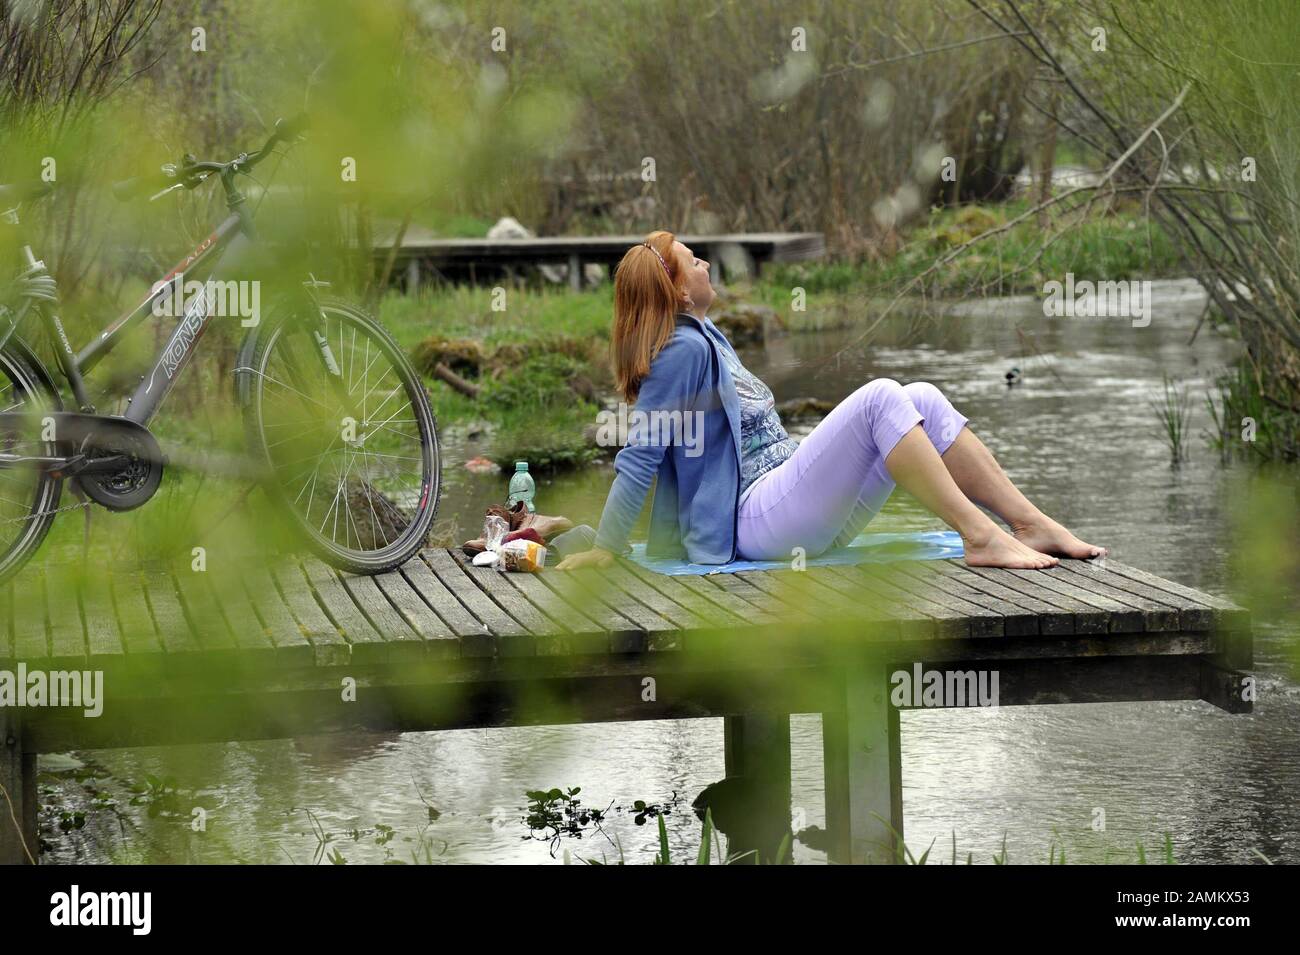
[731,482]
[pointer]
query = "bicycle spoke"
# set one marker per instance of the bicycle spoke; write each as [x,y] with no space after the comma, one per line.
[356,491]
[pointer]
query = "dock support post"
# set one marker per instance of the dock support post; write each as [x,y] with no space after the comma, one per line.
[18,843]
[863,771]
[412,275]
[757,755]
[575,272]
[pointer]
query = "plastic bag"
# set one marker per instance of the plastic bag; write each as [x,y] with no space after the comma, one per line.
[520,555]
[495,530]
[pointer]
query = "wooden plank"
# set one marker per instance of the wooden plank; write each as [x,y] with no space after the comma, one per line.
[31,639]
[292,648]
[467,610]
[207,622]
[454,593]
[1120,617]
[680,617]
[948,623]
[570,631]
[913,622]
[231,600]
[329,648]
[779,611]
[1192,615]
[103,636]
[404,643]
[882,625]
[840,615]
[366,644]
[607,602]
[1228,615]
[585,591]
[509,600]
[664,621]
[982,621]
[1087,618]
[63,610]
[677,591]
[169,617]
[438,638]
[1157,615]
[790,596]
[1050,619]
[759,615]
[135,621]
[581,589]
[1017,620]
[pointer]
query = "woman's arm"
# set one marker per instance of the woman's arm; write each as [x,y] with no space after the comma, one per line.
[677,376]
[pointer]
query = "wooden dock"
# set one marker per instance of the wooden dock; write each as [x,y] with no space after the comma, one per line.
[420,253]
[272,652]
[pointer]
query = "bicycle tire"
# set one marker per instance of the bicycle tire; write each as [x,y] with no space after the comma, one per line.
[414,535]
[24,373]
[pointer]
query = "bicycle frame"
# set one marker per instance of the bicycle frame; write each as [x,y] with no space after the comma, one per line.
[225,243]
[210,260]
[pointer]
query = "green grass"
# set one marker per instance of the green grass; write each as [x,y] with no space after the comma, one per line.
[527,314]
[1118,246]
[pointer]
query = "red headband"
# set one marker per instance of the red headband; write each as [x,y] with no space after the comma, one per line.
[659,257]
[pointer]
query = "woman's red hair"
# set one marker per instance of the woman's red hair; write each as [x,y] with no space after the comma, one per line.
[647,298]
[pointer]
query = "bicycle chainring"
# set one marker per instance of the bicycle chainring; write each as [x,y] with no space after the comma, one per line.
[133,484]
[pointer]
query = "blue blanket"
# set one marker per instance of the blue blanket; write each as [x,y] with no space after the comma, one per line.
[865,549]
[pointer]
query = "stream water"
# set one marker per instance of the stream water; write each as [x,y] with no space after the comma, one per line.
[1078,435]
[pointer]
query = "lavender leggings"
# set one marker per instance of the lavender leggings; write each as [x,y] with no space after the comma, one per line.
[836,482]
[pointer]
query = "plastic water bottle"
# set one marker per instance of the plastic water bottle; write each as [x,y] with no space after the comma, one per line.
[522,487]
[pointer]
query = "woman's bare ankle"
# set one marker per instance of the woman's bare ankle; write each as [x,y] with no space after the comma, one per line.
[1000,549]
[979,533]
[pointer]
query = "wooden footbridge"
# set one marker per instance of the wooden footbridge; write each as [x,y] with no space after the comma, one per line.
[421,253]
[299,649]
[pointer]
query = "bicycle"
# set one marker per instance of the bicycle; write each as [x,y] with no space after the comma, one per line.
[336,419]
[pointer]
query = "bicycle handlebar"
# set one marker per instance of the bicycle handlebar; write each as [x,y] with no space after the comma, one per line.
[192,172]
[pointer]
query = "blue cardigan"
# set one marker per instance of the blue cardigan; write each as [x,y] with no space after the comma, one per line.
[695,500]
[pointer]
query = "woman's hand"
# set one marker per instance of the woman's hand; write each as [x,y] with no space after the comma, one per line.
[596,557]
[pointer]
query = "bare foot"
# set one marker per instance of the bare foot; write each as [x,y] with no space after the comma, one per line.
[1048,537]
[1000,549]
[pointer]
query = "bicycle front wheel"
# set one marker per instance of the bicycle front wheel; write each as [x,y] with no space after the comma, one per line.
[29,493]
[342,424]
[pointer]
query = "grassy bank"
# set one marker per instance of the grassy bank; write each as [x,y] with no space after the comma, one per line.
[1121,244]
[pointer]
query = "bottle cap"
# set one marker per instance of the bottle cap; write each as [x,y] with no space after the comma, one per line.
[521,465]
